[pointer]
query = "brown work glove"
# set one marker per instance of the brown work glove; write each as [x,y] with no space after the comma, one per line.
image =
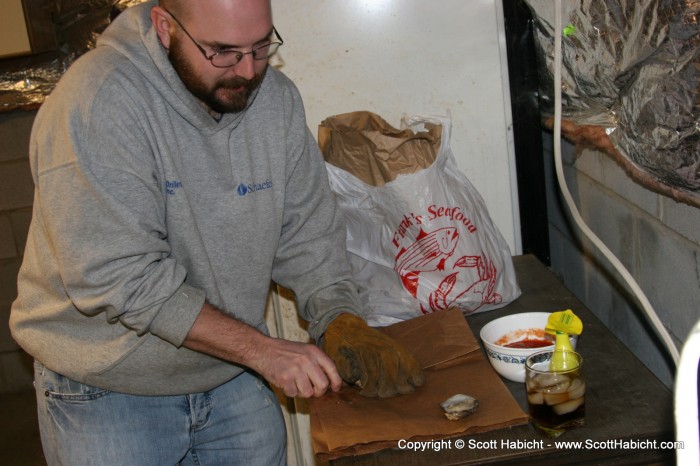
[372,360]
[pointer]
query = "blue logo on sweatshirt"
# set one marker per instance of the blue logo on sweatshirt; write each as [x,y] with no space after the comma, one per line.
[171,186]
[251,188]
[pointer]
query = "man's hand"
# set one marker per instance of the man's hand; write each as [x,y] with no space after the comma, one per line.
[299,369]
[371,359]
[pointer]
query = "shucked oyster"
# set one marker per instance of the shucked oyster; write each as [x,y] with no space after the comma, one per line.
[459,406]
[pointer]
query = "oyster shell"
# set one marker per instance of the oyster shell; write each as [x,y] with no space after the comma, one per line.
[459,406]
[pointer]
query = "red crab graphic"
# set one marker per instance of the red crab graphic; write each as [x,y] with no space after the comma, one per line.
[446,295]
[428,253]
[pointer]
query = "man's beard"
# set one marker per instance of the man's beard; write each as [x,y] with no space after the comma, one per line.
[224,96]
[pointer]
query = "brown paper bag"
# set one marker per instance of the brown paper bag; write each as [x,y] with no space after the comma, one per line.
[346,423]
[364,144]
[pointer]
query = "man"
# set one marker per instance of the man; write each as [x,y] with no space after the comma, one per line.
[175,178]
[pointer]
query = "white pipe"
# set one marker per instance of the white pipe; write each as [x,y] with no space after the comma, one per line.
[646,305]
[686,401]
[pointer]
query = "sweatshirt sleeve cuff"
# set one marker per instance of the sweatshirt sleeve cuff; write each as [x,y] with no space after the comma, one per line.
[178,313]
[326,304]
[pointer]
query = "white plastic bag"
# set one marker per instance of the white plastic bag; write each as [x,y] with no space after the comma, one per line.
[423,242]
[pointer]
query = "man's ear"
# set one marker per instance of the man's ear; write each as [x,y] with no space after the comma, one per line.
[161,21]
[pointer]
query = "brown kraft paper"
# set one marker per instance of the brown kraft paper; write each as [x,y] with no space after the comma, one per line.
[346,423]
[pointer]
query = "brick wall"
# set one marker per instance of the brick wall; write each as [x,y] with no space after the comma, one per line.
[16,195]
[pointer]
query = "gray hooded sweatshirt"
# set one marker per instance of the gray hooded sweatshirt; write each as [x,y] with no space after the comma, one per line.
[145,206]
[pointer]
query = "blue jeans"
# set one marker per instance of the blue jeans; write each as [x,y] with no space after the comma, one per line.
[239,422]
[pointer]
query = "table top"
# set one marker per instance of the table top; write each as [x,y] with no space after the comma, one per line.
[629,412]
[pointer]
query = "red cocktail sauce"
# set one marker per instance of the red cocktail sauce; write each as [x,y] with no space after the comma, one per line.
[526,338]
[529,343]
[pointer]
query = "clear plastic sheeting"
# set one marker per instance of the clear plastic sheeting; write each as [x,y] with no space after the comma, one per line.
[26,81]
[632,66]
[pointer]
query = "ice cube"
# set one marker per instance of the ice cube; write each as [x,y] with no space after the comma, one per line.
[577,389]
[561,386]
[535,398]
[532,384]
[568,407]
[545,380]
[555,398]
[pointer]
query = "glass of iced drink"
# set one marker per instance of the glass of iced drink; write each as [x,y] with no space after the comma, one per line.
[555,398]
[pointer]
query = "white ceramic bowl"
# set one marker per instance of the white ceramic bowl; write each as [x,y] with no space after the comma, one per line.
[510,362]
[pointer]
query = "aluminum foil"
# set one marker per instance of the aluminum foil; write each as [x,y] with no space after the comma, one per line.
[26,81]
[632,66]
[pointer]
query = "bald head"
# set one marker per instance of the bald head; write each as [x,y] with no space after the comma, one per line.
[219,24]
[185,8]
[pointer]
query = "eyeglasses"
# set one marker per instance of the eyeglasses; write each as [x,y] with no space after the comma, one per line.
[229,58]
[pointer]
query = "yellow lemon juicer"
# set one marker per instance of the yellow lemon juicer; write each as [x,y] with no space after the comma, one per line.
[562,324]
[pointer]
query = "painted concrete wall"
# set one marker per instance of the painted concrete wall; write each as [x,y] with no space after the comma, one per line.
[656,238]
